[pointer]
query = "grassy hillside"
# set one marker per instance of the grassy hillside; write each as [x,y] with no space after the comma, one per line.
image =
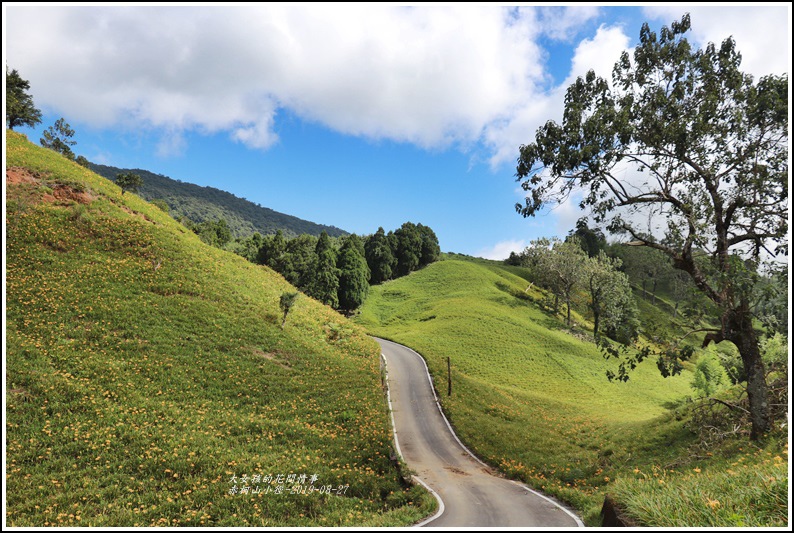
[532,398]
[208,203]
[148,378]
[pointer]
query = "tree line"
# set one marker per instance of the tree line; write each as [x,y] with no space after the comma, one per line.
[605,280]
[336,271]
[578,267]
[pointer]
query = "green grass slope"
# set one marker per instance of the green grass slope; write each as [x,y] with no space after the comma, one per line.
[530,397]
[148,380]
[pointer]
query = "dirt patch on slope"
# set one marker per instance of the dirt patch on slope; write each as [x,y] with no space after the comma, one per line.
[64,194]
[52,192]
[18,175]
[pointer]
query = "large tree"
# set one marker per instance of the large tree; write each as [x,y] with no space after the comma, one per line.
[353,274]
[611,300]
[299,261]
[431,250]
[325,285]
[685,137]
[379,256]
[557,266]
[20,110]
[407,248]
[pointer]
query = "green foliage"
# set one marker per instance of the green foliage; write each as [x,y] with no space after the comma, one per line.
[592,241]
[82,161]
[708,147]
[611,300]
[772,297]
[135,393]
[774,350]
[20,110]
[213,232]
[380,258]
[647,267]
[430,247]
[162,204]
[297,259]
[248,247]
[298,262]
[208,203]
[353,274]
[407,248]
[709,375]
[58,137]
[272,250]
[325,285]
[557,266]
[129,182]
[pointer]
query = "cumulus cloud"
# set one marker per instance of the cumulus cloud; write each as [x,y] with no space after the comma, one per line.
[599,54]
[465,76]
[501,250]
[431,76]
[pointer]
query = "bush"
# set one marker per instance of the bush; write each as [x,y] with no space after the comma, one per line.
[709,375]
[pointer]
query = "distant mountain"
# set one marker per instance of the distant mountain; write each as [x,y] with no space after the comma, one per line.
[208,203]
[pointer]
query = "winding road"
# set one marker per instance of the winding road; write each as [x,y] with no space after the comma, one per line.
[469,493]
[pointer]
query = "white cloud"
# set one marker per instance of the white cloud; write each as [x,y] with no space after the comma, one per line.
[599,54]
[431,76]
[501,250]
[762,33]
[562,23]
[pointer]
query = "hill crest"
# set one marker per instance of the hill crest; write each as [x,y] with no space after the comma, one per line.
[199,203]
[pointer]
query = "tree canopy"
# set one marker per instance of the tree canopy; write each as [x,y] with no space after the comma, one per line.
[325,285]
[353,274]
[685,153]
[58,137]
[20,110]
[129,182]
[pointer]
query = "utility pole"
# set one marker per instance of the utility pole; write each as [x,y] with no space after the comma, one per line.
[449,378]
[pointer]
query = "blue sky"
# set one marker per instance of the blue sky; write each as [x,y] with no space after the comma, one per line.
[357,117]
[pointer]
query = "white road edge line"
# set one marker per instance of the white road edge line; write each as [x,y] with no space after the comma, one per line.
[570,513]
[441,506]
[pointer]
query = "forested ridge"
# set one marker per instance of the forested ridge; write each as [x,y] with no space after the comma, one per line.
[200,204]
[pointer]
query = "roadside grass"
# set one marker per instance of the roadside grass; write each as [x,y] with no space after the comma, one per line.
[146,374]
[528,396]
[749,491]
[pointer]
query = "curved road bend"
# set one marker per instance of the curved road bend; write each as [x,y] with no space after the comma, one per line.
[471,494]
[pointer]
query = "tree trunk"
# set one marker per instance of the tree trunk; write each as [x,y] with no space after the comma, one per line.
[675,310]
[653,296]
[568,306]
[742,334]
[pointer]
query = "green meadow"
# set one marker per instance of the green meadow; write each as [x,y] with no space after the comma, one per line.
[148,380]
[531,398]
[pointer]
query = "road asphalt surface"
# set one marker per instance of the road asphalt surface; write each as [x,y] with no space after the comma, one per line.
[471,494]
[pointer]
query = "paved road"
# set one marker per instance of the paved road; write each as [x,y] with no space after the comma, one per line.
[471,494]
